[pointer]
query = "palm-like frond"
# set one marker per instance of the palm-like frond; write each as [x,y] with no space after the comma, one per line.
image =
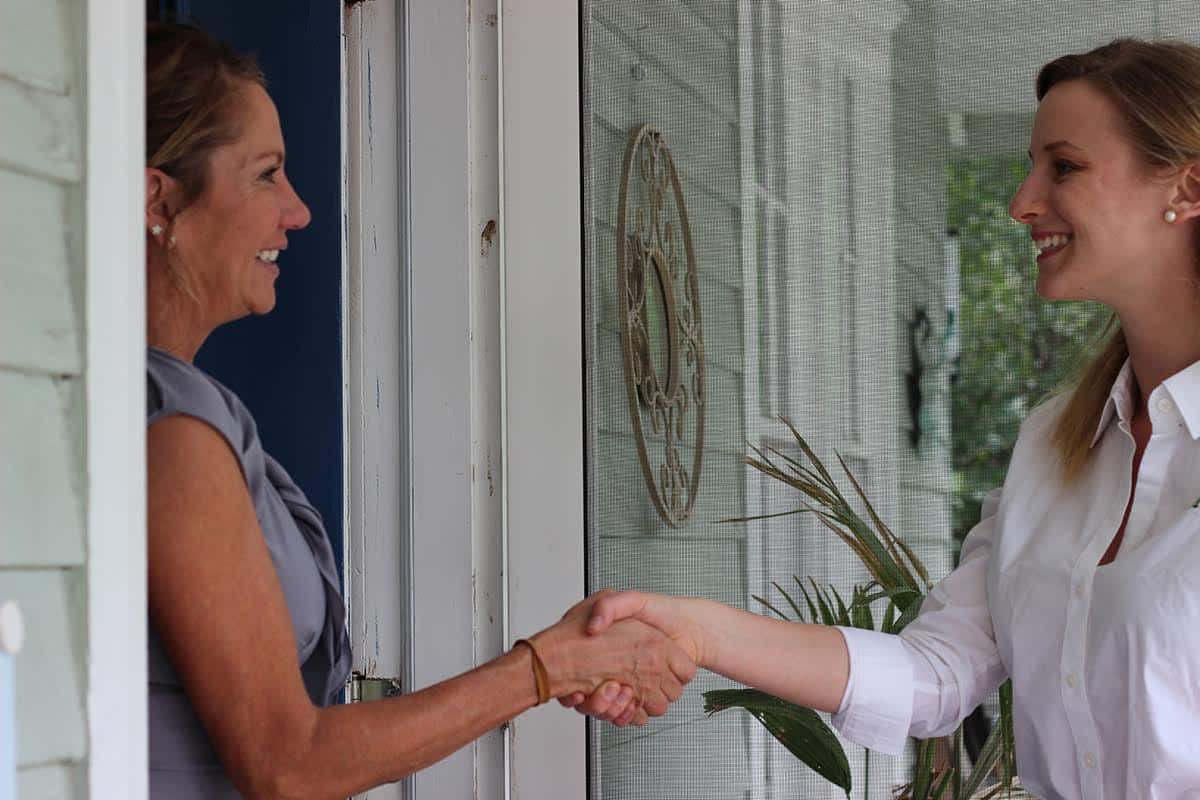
[899,577]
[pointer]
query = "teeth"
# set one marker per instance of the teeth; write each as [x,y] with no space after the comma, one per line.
[1049,242]
[268,255]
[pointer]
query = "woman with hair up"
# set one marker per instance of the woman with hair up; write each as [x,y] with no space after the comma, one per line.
[1082,581]
[247,644]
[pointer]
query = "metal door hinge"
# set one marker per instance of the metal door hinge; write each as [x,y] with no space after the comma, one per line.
[364,688]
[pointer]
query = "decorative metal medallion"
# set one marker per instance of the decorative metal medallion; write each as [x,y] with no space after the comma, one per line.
[661,338]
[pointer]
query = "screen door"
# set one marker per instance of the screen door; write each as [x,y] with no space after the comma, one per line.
[799,210]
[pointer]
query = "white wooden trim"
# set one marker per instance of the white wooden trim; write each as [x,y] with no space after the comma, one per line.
[541,260]
[487,451]
[438,255]
[116,406]
[377,395]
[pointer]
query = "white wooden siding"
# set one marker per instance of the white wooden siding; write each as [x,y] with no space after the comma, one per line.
[50,719]
[39,316]
[42,427]
[41,478]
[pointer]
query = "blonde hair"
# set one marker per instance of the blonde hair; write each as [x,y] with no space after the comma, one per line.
[192,85]
[1155,87]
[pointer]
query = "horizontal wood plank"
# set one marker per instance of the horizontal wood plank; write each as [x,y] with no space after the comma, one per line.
[41,132]
[58,781]
[49,680]
[42,484]
[41,278]
[36,47]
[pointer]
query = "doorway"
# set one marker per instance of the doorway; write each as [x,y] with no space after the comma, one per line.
[287,366]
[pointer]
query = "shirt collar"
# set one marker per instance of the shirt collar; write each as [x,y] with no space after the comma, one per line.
[1118,403]
[1183,387]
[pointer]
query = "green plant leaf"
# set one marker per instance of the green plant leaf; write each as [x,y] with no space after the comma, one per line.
[860,610]
[989,758]
[843,613]
[773,608]
[923,780]
[798,729]
[791,602]
[812,609]
[827,617]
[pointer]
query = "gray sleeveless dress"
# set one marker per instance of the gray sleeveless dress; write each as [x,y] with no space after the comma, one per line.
[183,763]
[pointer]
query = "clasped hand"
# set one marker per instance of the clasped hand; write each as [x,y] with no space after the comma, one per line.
[634,652]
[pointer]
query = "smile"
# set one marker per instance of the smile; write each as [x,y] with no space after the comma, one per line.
[268,256]
[1049,245]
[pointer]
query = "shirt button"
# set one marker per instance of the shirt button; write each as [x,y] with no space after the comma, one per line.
[1163,404]
[1089,760]
[1072,681]
[1079,590]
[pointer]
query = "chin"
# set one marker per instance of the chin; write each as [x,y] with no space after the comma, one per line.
[262,303]
[1052,284]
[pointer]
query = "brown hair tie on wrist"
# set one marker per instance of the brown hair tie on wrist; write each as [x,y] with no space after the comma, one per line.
[540,676]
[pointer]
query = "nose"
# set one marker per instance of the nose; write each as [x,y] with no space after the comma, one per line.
[295,214]
[1027,204]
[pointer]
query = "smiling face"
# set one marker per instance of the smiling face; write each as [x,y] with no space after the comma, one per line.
[227,240]
[1093,206]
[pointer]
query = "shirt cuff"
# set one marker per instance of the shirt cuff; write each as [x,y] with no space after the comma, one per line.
[876,709]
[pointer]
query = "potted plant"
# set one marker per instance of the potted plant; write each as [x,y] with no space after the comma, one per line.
[887,603]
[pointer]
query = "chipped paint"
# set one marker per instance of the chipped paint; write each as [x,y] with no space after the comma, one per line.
[487,237]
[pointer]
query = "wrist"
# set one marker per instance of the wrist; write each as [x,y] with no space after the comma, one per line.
[560,667]
[703,618]
[518,661]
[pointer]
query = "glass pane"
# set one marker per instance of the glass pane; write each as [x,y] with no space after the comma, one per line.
[799,209]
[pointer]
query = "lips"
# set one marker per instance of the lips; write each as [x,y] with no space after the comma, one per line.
[1049,243]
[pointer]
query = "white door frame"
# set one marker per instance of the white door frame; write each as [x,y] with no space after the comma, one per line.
[542,272]
[423,347]
[115,300]
[464,328]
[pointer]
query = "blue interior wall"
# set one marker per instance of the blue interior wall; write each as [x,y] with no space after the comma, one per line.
[287,365]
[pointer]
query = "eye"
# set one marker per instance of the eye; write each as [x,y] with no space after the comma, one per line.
[1063,167]
[269,174]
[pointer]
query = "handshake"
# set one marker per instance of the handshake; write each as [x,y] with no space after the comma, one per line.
[622,657]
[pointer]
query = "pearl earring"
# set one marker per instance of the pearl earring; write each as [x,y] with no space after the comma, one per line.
[156,230]
[1170,216]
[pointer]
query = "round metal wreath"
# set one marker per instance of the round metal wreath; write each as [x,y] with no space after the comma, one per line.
[659,303]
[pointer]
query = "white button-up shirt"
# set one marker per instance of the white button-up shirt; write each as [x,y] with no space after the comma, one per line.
[1105,661]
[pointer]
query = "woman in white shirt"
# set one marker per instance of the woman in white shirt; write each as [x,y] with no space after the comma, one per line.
[1082,581]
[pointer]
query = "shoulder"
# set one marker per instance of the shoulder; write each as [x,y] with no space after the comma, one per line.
[1040,423]
[1035,459]
[176,388]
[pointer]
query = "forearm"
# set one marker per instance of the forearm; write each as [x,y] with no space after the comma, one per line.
[805,664]
[355,747]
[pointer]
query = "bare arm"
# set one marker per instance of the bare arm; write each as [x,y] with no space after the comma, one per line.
[806,664]
[218,606]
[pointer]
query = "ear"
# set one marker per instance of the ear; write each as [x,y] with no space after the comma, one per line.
[162,193]
[1186,199]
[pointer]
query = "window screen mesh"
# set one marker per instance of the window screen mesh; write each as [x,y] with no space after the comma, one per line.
[845,170]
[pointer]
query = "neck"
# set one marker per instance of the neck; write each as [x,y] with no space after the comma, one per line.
[175,321]
[1162,342]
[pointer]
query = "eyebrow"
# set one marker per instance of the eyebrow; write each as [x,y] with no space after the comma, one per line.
[1057,145]
[278,155]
